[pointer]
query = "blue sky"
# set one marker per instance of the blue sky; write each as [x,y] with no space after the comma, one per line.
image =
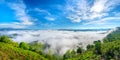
[59,14]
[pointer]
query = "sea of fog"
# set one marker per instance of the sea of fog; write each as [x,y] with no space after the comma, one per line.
[58,41]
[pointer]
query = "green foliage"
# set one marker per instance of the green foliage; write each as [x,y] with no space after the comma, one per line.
[15,53]
[5,39]
[10,50]
[111,50]
[24,46]
[79,50]
[67,55]
[115,35]
[97,47]
[108,50]
[90,46]
[37,47]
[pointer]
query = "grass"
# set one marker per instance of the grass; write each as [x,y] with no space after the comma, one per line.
[9,52]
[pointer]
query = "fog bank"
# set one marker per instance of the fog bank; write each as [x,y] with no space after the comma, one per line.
[58,41]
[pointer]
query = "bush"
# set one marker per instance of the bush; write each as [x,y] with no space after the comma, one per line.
[90,46]
[97,47]
[5,39]
[24,46]
[79,50]
[36,47]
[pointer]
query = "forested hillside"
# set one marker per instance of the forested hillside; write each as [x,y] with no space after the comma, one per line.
[109,49]
[10,50]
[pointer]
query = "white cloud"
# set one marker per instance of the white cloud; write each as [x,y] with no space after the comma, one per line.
[48,16]
[79,10]
[42,11]
[76,10]
[21,14]
[75,18]
[12,25]
[97,15]
[99,6]
[103,21]
[60,42]
[104,5]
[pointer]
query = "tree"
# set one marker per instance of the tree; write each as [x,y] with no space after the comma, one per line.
[97,47]
[89,46]
[37,47]
[5,39]
[79,50]
[67,55]
[24,45]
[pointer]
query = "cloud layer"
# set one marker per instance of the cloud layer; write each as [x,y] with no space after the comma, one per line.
[59,43]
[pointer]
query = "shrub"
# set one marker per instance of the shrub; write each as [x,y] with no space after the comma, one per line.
[89,46]
[97,47]
[79,50]
[5,39]
[24,46]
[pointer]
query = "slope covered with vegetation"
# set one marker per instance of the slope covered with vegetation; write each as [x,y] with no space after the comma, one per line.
[10,50]
[109,49]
